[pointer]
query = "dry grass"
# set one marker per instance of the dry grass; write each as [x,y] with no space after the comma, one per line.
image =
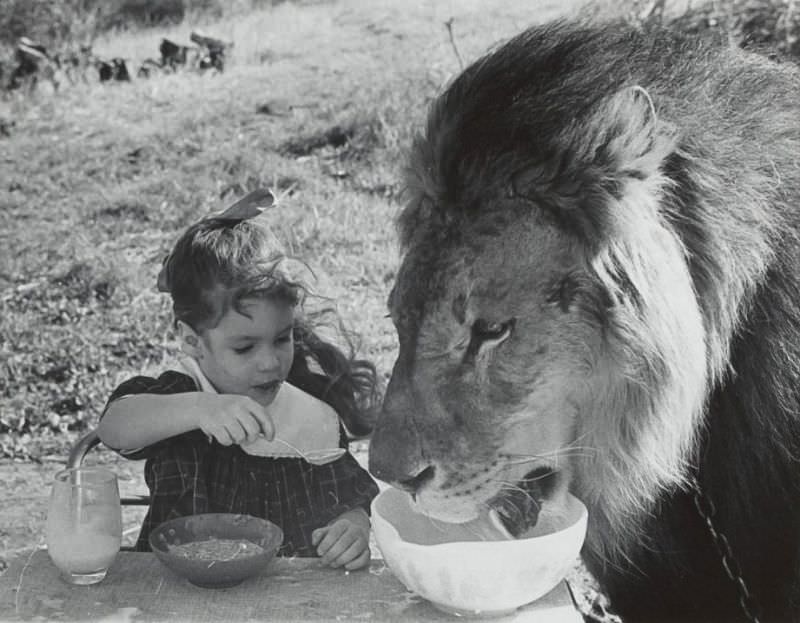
[98,179]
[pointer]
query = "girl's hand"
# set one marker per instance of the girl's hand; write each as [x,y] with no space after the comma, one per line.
[232,419]
[345,541]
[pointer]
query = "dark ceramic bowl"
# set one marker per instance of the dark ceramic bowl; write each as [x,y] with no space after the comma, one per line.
[208,572]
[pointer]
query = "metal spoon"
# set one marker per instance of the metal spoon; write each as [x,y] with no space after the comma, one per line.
[316,457]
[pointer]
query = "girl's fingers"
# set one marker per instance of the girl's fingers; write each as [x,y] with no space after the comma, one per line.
[360,561]
[266,424]
[355,550]
[236,431]
[221,435]
[259,414]
[336,550]
[332,536]
[251,426]
[317,535]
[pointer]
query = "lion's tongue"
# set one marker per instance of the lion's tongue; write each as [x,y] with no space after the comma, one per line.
[518,508]
[517,512]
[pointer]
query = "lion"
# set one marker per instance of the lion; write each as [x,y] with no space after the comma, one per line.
[598,293]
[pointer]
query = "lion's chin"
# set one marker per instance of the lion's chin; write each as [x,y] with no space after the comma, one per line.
[518,508]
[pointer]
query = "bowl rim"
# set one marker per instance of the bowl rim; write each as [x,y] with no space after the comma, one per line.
[275,529]
[578,524]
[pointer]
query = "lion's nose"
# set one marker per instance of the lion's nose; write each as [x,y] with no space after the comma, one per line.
[404,470]
[414,483]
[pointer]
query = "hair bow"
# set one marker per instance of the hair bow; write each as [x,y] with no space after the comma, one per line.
[250,206]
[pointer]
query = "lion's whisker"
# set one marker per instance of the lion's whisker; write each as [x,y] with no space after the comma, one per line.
[545,455]
[509,486]
[564,450]
[578,452]
[535,478]
[522,461]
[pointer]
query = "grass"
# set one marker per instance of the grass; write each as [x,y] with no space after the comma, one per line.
[98,179]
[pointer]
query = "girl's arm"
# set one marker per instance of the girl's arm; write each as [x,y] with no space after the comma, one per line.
[144,419]
[140,420]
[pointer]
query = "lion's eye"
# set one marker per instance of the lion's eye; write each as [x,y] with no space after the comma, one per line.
[485,334]
[491,331]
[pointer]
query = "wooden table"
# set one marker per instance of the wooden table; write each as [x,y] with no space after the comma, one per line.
[139,588]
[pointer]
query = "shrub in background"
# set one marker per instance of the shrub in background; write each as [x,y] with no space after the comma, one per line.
[55,23]
[768,26]
[49,21]
[764,25]
[143,13]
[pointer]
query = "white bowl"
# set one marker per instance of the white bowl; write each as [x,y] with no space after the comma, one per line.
[474,577]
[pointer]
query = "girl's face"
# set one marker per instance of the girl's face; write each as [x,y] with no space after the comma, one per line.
[250,353]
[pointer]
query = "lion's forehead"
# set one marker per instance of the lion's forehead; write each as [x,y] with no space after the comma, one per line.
[481,268]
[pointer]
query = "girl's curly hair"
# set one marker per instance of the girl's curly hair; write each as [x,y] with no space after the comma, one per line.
[218,263]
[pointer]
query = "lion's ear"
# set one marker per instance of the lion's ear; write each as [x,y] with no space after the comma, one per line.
[625,138]
[615,154]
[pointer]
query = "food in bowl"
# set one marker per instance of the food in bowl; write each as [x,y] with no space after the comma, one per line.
[486,574]
[216,550]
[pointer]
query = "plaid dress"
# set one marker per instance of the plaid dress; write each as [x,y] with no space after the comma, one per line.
[188,474]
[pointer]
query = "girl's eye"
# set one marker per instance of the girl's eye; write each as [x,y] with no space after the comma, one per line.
[284,339]
[242,349]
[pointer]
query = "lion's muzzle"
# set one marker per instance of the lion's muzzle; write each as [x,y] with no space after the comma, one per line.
[395,457]
[400,452]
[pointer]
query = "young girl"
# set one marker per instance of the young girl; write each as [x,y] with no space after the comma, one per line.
[227,428]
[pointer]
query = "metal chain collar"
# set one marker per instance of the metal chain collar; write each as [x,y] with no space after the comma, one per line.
[601,613]
[705,508]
